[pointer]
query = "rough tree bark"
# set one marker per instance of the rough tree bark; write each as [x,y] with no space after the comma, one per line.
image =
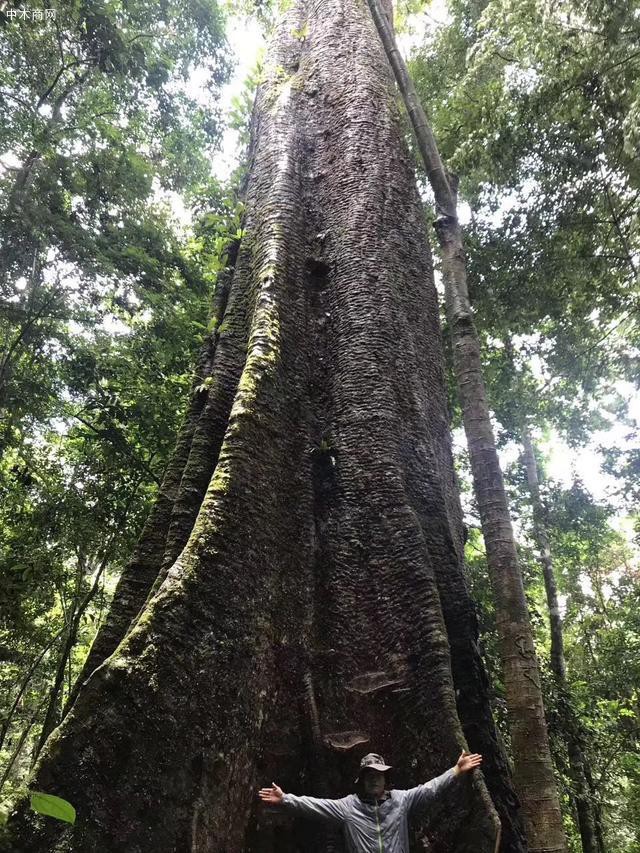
[152,551]
[298,596]
[572,729]
[534,776]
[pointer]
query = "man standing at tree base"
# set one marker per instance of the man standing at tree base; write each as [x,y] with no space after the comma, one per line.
[376,819]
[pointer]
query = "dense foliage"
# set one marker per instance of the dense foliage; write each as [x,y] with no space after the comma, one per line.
[104,296]
[104,300]
[535,107]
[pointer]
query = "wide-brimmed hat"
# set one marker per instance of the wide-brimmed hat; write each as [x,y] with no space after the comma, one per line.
[372,761]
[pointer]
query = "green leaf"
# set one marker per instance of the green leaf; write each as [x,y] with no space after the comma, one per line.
[52,806]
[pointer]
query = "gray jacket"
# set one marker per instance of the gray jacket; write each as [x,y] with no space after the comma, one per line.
[369,827]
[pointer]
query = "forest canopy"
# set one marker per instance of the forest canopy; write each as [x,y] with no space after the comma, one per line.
[126,149]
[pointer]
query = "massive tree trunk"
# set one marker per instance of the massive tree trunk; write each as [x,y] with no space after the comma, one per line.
[298,597]
[534,775]
[204,424]
[572,728]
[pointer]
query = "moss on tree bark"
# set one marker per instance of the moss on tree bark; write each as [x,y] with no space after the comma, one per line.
[304,617]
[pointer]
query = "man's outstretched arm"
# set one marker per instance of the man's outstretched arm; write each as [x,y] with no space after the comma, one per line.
[312,807]
[422,795]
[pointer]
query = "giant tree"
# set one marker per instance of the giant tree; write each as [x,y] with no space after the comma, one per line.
[102,306]
[534,775]
[298,594]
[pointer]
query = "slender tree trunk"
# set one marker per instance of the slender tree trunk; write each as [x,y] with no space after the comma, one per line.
[32,313]
[20,744]
[305,614]
[572,728]
[24,683]
[54,709]
[597,809]
[24,177]
[17,232]
[72,616]
[534,775]
[555,617]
